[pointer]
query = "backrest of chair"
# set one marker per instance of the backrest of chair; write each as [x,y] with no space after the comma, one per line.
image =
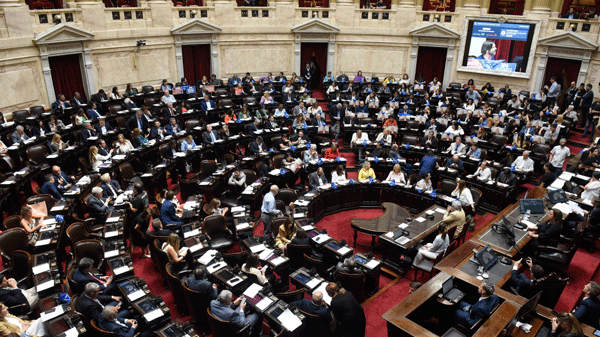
[147,89]
[250,176]
[214,225]
[161,258]
[278,161]
[236,258]
[540,149]
[100,332]
[275,224]
[552,286]
[13,239]
[197,303]
[292,296]
[310,262]
[13,221]
[127,171]
[175,284]
[312,324]
[296,254]
[38,154]
[219,327]
[287,195]
[207,168]
[188,188]
[190,124]
[47,198]
[77,232]
[414,178]
[75,288]
[413,125]
[20,116]
[447,187]
[476,193]
[409,139]
[20,265]
[365,121]
[89,248]
[229,158]
[499,140]
[83,165]
[354,283]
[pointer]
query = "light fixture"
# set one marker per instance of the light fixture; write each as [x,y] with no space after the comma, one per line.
[574,27]
[193,13]
[437,18]
[140,43]
[57,19]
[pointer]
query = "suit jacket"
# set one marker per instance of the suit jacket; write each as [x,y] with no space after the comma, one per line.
[313,180]
[118,329]
[227,313]
[202,286]
[168,215]
[154,133]
[588,312]
[167,113]
[433,142]
[56,105]
[99,129]
[98,208]
[460,166]
[480,309]
[74,102]
[37,130]
[207,138]
[509,179]
[103,151]
[132,123]
[87,133]
[170,130]
[15,138]
[270,125]
[342,78]
[203,106]
[254,147]
[11,297]
[80,278]
[311,308]
[94,114]
[251,128]
[90,308]
[333,112]
[65,177]
[50,188]
[350,314]
[106,192]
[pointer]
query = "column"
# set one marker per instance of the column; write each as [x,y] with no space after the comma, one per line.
[541,69]
[414,54]
[407,3]
[542,5]
[179,57]
[331,53]
[583,70]
[47,74]
[297,51]
[11,3]
[214,56]
[472,4]
[88,71]
[448,67]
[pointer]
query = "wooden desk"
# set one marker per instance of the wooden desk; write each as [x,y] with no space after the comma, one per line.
[389,220]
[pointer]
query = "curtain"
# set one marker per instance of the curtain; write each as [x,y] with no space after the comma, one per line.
[441,5]
[566,71]
[388,3]
[317,54]
[196,62]
[566,6]
[66,76]
[516,7]
[431,62]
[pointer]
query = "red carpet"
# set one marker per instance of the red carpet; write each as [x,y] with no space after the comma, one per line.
[350,158]
[581,270]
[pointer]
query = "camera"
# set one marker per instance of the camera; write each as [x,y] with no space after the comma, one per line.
[140,43]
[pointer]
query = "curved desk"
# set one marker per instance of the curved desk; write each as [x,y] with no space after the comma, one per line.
[393,216]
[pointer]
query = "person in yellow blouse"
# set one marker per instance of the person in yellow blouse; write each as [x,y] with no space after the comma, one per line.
[12,324]
[287,231]
[366,171]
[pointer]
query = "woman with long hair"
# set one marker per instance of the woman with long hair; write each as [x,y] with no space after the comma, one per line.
[253,267]
[431,251]
[548,232]
[287,231]
[171,248]
[13,325]
[463,194]
[565,324]
[96,159]
[214,208]
[29,222]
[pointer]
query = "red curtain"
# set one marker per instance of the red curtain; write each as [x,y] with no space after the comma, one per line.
[516,8]
[66,76]
[196,62]
[566,6]
[317,53]
[566,71]
[388,3]
[431,63]
[441,5]
[508,50]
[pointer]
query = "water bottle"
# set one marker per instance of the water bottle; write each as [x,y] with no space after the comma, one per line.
[527,214]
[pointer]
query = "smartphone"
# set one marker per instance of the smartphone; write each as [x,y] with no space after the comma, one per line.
[597,333]
[243,301]
[265,267]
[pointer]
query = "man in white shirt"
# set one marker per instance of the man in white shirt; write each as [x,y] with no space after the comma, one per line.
[513,104]
[592,189]
[457,147]
[483,173]
[166,99]
[558,155]
[523,163]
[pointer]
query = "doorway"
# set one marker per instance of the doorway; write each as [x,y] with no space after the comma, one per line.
[316,55]
[66,76]
[196,62]
[566,71]
[431,62]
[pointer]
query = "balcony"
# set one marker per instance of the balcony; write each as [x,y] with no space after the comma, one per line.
[128,17]
[588,28]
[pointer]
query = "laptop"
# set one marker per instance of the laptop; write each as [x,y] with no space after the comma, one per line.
[535,206]
[557,196]
[450,293]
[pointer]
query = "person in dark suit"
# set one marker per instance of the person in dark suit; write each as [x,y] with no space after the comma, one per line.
[521,282]
[253,127]
[60,103]
[507,177]
[429,141]
[315,307]
[257,146]
[168,213]
[455,163]
[61,180]
[233,311]
[210,136]
[168,152]
[102,128]
[173,127]
[99,97]
[83,275]
[157,132]
[137,121]
[93,112]
[169,112]
[11,295]
[40,129]
[87,132]
[270,123]
[347,311]
[468,314]
[347,266]
[207,104]
[103,149]
[158,230]
[110,188]
[19,135]
[588,310]
[434,125]
[301,238]
[121,327]
[49,187]
[571,14]
[76,101]
[317,179]
[546,233]
[91,303]
[343,78]
[99,207]
[199,283]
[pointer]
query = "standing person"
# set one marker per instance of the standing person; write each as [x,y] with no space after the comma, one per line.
[586,102]
[268,211]
[347,311]
[553,91]
[558,156]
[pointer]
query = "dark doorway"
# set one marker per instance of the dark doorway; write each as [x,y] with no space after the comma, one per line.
[316,55]
[431,62]
[566,71]
[66,76]
[196,62]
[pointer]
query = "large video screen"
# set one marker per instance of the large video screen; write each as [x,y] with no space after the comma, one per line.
[498,47]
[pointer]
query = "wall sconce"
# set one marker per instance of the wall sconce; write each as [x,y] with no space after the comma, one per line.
[193,13]
[574,27]
[436,18]
[57,19]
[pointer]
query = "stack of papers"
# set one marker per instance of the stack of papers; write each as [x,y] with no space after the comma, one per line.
[289,321]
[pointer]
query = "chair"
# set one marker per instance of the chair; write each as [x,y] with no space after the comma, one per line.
[75,288]
[89,223]
[197,304]
[147,89]
[47,198]
[190,124]
[354,283]
[176,288]
[219,236]
[229,158]
[188,188]
[10,241]
[447,187]
[221,328]
[412,140]
[559,257]
[287,195]
[414,178]
[78,232]
[83,166]
[312,325]
[453,245]
[13,221]
[552,285]
[99,332]
[427,266]
[37,155]
[161,261]
[235,259]
[296,254]
[207,168]
[89,248]
[366,121]
[476,193]
[276,223]
[250,176]
[278,161]
[499,141]
[20,268]
[20,116]
[292,296]
[310,262]
[128,174]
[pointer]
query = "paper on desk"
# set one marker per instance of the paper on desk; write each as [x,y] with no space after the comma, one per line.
[309,195]
[41,268]
[529,224]
[301,203]
[111,253]
[389,234]
[51,313]
[57,208]
[111,234]
[420,219]
[196,248]
[265,254]
[257,248]
[207,257]
[429,212]
[237,209]
[402,240]
[344,250]
[289,321]
[42,242]
[308,228]
[191,233]
[44,286]
[524,326]
[313,283]
[113,219]
[204,183]
[242,226]
[264,303]
[563,207]
[402,225]
[47,229]
[252,290]
[440,210]
[372,264]
[136,295]
[299,215]
[216,266]
[154,314]
[121,270]
[321,238]
[278,260]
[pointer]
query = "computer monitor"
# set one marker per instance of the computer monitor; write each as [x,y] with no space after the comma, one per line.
[448,285]
[557,196]
[525,310]
[486,257]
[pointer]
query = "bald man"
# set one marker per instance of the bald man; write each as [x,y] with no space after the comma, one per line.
[268,211]
[316,307]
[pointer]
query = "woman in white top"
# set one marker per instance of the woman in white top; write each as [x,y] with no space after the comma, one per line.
[425,184]
[372,98]
[385,112]
[434,85]
[288,87]
[431,251]
[171,248]
[338,175]
[332,88]
[315,108]
[404,80]
[252,266]
[396,175]
[455,130]
[592,189]
[115,94]
[96,159]
[385,135]
[358,138]
[470,105]
[463,194]
[123,145]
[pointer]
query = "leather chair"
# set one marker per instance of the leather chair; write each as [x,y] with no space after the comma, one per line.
[89,223]
[275,224]
[250,176]
[499,141]
[412,140]
[20,268]
[280,206]
[190,124]
[188,188]
[292,296]
[277,162]
[10,241]
[13,221]
[236,258]
[161,262]
[453,245]
[312,325]
[121,122]
[476,193]
[229,158]
[147,89]
[287,195]
[78,232]
[20,116]
[428,266]
[250,101]
[99,332]
[129,175]
[559,257]
[540,151]
[207,168]
[494,173]
[219,236]
[365,121]
[354,283]
[114,109]
[296,254]
[75,288]
[197,304]
[47,198]
[446,187]
[37,111]
[226,103]
[176,288]
[221,328]
[89,248]
[552,286]
[412,126]
[310,262]
[83,166]
[37,155]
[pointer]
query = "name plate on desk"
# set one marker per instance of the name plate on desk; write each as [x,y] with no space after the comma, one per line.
[313,283]
[136,295]
[154,314]
[257,248]
[121,270]
[113,219]
[52,313]
[217,266]
[42,242]
[111,234]
[191,233]
[40,268]
[196,248]
[111,253]
[263,304]
[44,286]
[344,250]
[278,260]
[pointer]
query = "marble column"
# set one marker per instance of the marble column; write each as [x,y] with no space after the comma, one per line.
[407,3]
[472,4]
[542,5]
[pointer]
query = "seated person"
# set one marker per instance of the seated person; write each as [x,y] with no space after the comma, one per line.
[546,233]
[121,327]
[301,238]
[457,147]
[348,266]
[258,146]
[214,208]
[523,164]
[83,275]
[172,248]
[366,172]
[210,136]
[455,163]
[11,295]
[49,187]
[316,307]
[425,183]
[237,179]
[158,230]
[393,153]
[378,152]
[429,141]
[173,127]
[317,179]
[385,136]
[468,314]
[483,172]
[567,325]
[198,282]
[110,188]
[168,213]
[397,175]
[281,144]
[300,139]
[99,206]
[521,282]
[287,232]
[332,152]
[588,310]
[13,326]
[91,303]
[224,309]
[338,175]
[455,217]
[188,143]
[31,223]
[430,251]
[311,155]
[474,151]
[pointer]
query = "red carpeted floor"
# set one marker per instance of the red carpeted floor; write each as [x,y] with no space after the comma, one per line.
[581,270]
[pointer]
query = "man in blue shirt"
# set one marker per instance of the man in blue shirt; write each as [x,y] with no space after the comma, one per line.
[50,188]
[553,91]
[474,151]
[168,213]
[428,163]
[328,78]
[268,211]
[472,94]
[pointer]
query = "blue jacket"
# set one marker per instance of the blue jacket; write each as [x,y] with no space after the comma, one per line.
[588,312]
[477,311]
[50,188]
[202,286]
[122,331]
[427,164]
[364,109]
[168,214]
[227,313]
[203,106]
[460,166]
[106,192]
[311,308]
[65,177]
[80,278]
[170,130]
